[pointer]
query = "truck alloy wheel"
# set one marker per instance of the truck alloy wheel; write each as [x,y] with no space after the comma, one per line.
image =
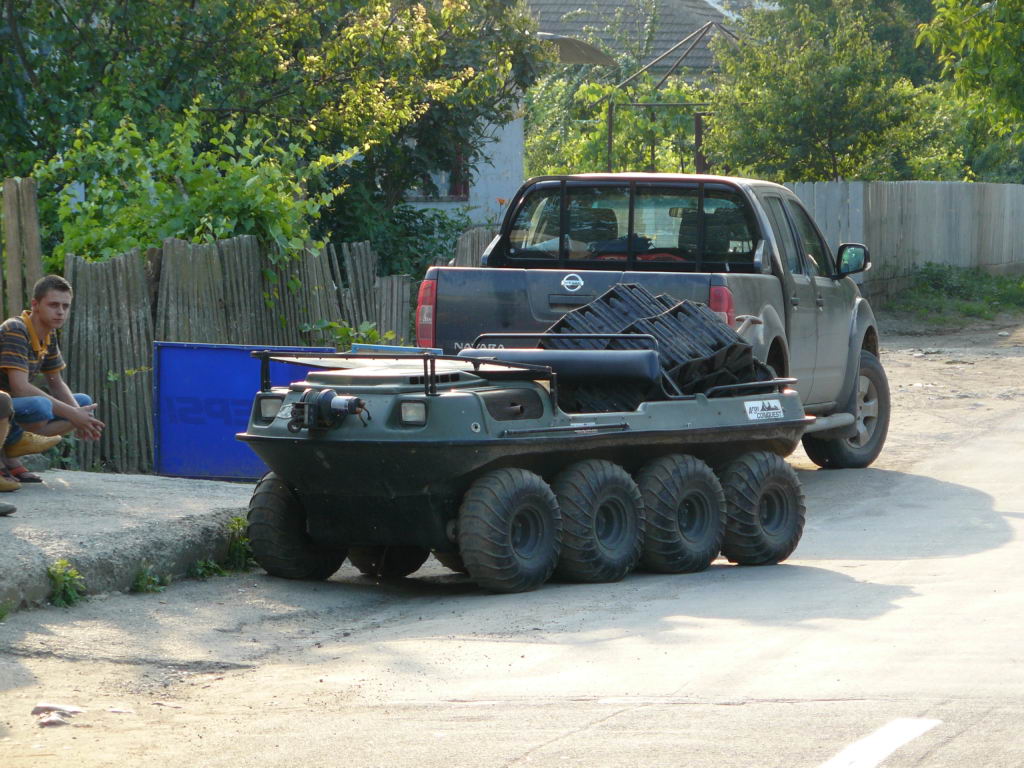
[386,562]
[684,510]
[509,531]
[764,507]
[602,521]
[278,537]
[872,413]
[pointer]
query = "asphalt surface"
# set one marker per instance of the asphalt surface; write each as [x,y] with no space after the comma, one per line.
[109,527]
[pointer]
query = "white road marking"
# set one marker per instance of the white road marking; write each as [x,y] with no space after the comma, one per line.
[873,749]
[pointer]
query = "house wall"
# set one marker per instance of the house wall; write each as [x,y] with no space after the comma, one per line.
[499,176]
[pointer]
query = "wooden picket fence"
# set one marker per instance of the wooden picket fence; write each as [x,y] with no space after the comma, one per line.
[22,248]
[226,292]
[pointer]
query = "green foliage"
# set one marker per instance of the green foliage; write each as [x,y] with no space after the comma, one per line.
[407,239]
[147,580]
[140,190]
[344,336]
[490,56]
[66,583]
[568,128]
[942,294]
[205,569]
[979,45]
[805,96]
[354,73]
[567,109]
[5,609]
[239,554]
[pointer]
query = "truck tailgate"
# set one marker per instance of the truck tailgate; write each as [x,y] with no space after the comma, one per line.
[471,301]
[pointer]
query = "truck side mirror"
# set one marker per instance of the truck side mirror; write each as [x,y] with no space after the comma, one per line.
[853,258]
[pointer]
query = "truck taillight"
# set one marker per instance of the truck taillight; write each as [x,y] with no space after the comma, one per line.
[722,304]
[426,303]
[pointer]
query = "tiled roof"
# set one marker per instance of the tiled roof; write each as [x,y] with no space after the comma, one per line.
[676,20]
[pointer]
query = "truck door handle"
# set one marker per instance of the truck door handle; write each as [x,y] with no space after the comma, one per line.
[820,301]
[794,300]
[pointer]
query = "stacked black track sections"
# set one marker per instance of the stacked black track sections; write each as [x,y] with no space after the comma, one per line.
[696,349]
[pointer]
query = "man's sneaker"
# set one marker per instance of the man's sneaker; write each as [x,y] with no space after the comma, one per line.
[29,442]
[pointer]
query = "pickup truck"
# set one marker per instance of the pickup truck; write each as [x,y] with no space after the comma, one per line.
[746,248]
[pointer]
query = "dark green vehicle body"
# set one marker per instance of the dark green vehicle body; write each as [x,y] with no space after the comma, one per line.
[375,478]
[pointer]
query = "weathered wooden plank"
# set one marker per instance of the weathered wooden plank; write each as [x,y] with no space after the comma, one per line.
[13,237]
[471,245]
[31,244]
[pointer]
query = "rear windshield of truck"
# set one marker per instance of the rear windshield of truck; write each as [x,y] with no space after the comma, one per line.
[680,227]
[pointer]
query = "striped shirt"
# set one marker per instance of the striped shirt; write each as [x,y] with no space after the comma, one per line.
[22,350]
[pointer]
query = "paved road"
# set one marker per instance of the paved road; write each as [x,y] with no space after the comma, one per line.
[893,634]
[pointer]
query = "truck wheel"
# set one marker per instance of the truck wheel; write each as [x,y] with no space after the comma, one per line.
[872,423]
[278,537]
[602,521]
[451,560]
[384,562]
[684,511]
[510,531]
[764,508]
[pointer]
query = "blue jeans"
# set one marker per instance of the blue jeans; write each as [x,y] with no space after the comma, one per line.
[32,410]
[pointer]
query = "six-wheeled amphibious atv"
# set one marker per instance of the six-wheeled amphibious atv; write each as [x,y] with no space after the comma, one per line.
[385,458]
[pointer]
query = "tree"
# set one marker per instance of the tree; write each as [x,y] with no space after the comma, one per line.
[979,46]
[566,111]
[395,86]
[804,96]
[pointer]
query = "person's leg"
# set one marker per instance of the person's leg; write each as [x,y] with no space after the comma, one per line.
[7,483]
[39,418]
[30,415]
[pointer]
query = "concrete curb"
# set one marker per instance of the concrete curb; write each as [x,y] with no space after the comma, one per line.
[109,527]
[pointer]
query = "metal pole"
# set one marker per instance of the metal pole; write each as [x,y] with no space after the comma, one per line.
[699,161]
[611,131]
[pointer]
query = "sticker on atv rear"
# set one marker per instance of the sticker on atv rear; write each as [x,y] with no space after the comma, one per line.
[763,410]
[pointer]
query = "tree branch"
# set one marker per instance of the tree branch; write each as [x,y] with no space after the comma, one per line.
[19,49]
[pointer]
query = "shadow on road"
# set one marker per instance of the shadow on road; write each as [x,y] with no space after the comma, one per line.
[875,514]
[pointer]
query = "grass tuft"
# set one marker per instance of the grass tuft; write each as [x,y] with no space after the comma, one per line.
[68,585]
[239,556]
[147,580]
[942,294]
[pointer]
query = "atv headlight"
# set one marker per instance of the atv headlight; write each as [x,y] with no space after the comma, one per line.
[267,407]
[413,413]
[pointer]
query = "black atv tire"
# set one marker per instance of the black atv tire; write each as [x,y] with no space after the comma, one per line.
[684,509]
[872,414]
[510,531]
[278,538]
[451,560]
[384,562]
[602,521]
[764,508]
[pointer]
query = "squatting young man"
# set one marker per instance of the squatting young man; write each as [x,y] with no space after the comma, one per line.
[28,347]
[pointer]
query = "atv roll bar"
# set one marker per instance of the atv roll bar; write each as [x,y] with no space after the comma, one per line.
[429,364]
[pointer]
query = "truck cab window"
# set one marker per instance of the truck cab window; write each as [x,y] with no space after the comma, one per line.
[598,223]
[730,234]
[817,252]
[665,221]
[787,244]
[535,229]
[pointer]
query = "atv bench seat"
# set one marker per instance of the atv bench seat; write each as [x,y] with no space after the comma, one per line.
[590,366]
